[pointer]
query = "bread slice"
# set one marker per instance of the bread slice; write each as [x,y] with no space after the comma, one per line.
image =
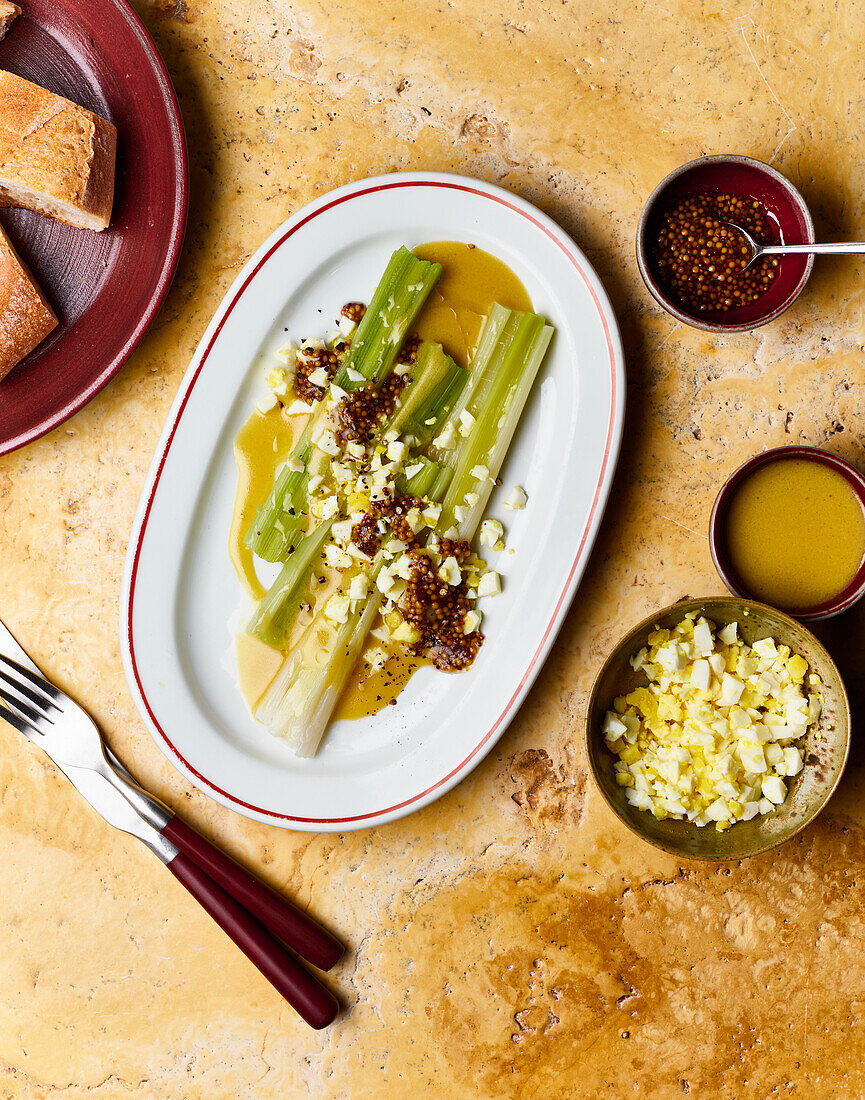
[8,14]
[25,316]
[55,157]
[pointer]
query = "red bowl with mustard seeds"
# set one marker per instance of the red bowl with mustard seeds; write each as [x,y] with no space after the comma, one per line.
[851,591]
[692,262]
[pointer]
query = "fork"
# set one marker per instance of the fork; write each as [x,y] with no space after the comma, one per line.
[58,725]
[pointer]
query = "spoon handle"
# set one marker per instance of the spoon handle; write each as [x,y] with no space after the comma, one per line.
[855,247]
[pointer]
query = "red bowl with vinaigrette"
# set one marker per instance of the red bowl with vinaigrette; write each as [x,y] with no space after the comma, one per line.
[692,262]
[788,529]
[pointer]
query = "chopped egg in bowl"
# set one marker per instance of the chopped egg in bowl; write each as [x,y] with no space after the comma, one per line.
[717,728]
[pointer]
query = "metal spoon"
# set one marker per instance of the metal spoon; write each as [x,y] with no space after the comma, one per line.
[757,250]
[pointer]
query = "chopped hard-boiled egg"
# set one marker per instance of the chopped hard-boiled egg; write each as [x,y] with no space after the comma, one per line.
[467,422]
[491,532]
[375,658]
[472,621]
[714,734]
[267,402]
[277,381]
[446,437]
[450,571]
[516,498]
[359,587]
[490,584]
[288,352]
[336,608]
[319,377]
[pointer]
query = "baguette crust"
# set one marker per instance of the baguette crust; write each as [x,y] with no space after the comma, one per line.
[8,14]
[55,157]
[25,316]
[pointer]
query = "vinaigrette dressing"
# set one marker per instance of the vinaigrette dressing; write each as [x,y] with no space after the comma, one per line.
[795,533]
[452,316]
[261,444]
[457,307]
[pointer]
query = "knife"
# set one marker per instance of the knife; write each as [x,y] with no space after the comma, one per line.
[231,896]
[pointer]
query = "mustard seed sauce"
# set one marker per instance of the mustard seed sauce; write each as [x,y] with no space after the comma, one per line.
[359,412]
[702,260]
[438,610]
[354,311]
[312,358]
[364,534]
[408,351]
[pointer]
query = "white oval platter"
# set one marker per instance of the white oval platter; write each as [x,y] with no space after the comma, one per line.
[180,591]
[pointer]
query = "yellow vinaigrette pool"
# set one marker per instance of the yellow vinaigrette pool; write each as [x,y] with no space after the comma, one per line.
[795,533]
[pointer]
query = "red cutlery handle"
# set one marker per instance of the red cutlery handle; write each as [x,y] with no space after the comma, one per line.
[315,1004]
[291,925]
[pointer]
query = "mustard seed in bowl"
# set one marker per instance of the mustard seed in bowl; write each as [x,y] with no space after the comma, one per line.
[701,258]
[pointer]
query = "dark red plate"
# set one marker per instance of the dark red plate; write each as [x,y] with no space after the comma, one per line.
[105,287]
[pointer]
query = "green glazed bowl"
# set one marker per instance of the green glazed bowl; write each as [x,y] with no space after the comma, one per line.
[826,745]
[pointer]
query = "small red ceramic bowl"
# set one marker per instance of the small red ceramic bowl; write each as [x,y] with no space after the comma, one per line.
[787,214]
[717,528]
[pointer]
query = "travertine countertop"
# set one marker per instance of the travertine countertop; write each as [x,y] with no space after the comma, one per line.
[512,940]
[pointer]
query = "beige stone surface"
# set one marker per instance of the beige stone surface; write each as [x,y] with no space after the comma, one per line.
[512,940]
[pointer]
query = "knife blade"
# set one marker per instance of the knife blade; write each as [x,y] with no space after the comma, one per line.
[11,648]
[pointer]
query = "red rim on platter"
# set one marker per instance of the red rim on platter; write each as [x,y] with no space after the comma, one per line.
[105,288]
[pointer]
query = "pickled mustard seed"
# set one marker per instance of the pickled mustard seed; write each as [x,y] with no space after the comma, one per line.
[395,512]
[312,359]
[408,351]
[365,533]
[358,413]
[354,311]
[438,611]
[704,261]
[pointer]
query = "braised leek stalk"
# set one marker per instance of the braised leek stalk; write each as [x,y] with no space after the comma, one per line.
[434,383]
[299,702]
[277,611]
[476,436]
[396,302]
[430,481]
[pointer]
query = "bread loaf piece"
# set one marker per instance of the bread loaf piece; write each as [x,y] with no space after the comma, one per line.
[25,316]
[55,157]
[8,14]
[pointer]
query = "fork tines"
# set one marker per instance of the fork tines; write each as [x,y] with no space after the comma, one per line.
[18,723]
[50,690]
[29,707]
